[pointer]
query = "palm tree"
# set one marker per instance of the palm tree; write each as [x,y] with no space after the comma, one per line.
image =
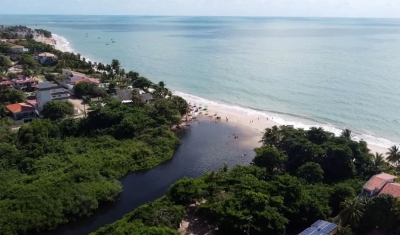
[271,136]
[396,208]
[394,155]
[353,209]
[378,161]
[346,133]
[115,65]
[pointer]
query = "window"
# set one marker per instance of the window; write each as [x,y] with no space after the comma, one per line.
[53,96]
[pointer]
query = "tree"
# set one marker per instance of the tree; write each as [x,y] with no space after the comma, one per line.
[378,162]
[346,134]
[55,109]
[271,136]
[11,95]
[180,104]
[341,192]
[379,213]
[270,158]
[352,211]
[311,172]
[5,62]
[136,97]
[394,155]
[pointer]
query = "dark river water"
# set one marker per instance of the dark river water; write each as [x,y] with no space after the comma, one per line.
[205,147]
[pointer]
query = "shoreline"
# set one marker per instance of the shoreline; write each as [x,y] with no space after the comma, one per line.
[238,118]
[251,125]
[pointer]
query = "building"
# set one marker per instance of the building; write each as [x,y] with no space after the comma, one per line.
[47,92]
[23,82]
[22,111]
[19,49]
[321,227]
[374,186]
[47,58]
[88,80]
[72,75]
[125,95]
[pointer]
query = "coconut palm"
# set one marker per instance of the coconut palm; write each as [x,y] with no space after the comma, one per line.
[271,136]
[353,209]
[378,161]
[346,133]
[394,155]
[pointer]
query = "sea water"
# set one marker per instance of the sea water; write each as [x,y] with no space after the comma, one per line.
[334,73]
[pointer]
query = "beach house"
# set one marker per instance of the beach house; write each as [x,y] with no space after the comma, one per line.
[19,49]
[321,227]
[22,111]
[71,76]
[47,92]
[381,184]
[47,58]
[125,95]
[23,82]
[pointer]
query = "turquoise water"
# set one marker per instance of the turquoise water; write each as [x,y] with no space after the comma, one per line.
[335,73]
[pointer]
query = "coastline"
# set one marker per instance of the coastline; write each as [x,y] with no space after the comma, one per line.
[239,118]
[252,125]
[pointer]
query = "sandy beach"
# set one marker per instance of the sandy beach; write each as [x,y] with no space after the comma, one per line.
[51,41]
[252,125]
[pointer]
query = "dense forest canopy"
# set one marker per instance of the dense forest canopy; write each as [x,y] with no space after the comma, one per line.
[297,177]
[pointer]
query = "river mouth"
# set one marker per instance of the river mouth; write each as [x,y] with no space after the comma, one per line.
[205,147]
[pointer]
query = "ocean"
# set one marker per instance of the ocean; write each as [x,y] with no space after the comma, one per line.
[329,72]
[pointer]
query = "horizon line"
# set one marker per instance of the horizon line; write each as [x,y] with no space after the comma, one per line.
[244,16]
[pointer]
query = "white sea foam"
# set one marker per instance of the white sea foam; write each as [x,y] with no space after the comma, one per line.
[64,45]
[282,119]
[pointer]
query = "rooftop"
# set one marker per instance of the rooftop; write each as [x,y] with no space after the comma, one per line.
[391,189]
[378,181]
[320,227]
[92,80]
[46,54]
[17,46]
[20,107]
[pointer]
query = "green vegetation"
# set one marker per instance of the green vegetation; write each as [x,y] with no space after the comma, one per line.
[53,173]
[296,178]
[5,63]
[43,32]
[56,110]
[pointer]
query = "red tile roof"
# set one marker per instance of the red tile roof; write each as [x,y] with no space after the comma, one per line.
[93,80]
[31,102]
[6,83]
[378,181]
[391,189]
[17,46]
[20,107]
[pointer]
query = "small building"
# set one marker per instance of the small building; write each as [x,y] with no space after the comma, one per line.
[125,95]
[22,111]
[19,49]
[7,84]
[47,58]
[72,75]
[321,227]
[88,80]
[47,92]
[376,183]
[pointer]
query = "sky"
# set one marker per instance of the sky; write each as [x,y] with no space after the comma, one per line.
[292,8]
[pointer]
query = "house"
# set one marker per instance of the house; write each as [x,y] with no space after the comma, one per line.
[321,227]
[47,92]
[23,82]
[88,80]
[22,111]
[391,189]
[72,75]
[125,95]
[6,82]
[19,49]
[47,58]
[376,183]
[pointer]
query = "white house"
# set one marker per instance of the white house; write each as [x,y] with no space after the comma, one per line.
[19,49]
[46,57]
[47,92]
[72,75]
